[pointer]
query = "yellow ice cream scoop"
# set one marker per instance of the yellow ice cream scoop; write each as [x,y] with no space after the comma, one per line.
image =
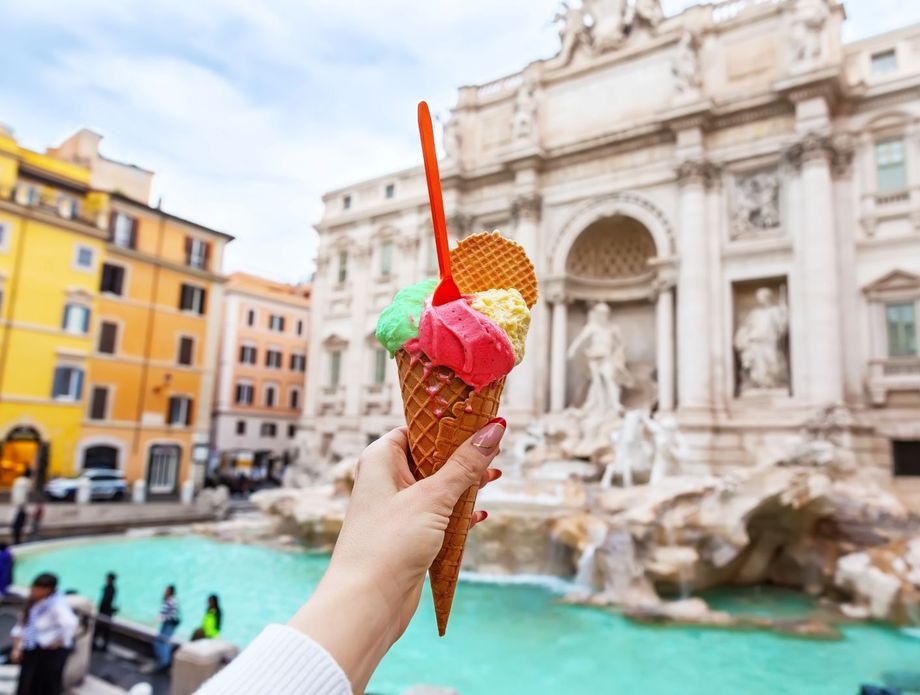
[508,309]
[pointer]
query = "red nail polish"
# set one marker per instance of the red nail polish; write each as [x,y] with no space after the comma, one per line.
[485,515]
[497,474]
[500,420]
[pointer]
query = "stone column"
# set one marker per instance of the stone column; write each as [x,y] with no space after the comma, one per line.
[816,249]
[664,329]
[523,381]
[693,332]
[354,368]
[557,353]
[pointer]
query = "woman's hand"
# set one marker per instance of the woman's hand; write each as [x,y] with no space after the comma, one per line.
[392,532]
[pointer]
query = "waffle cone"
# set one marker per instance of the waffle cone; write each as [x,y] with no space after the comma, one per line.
[441,413]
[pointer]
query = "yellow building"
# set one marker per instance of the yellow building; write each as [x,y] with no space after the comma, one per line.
[110,314]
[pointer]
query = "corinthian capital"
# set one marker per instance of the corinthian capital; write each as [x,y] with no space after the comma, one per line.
[527,206]
[810,147]
[697,171]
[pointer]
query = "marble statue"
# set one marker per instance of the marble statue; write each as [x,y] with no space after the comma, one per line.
[807,25]
[609,28]
[670,447]
[643,11]
[452,139]
[605,354]
[574,31]
[686,66]
[756,203]
[633,452]
[759,342]
[525,113]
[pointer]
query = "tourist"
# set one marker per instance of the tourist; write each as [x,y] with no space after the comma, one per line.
[37,515]
[19,523]
[6,569]
[392,532]
[43,638]
[210,624]
[104,614]
[169,621]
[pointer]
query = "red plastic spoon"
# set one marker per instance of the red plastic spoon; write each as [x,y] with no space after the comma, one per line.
[447,290]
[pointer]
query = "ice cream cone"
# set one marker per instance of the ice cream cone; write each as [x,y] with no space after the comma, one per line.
[442,411]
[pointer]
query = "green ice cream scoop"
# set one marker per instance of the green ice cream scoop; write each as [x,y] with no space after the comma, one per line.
[399,321]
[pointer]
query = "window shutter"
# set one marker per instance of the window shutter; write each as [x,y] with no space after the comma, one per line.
[282,325]
[98,403]
[67,310]
[188,411]
[85,320]
[184,302]
[60,377]
[186,347]
[113,218]
[204,301]
[188,250]
[207,255]
[133,233]
[78,376]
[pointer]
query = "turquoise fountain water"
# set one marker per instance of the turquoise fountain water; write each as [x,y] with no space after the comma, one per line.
[502,638]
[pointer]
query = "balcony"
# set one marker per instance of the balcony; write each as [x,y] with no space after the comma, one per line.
[332,400]
[892,374]
[883,206]
[377,399]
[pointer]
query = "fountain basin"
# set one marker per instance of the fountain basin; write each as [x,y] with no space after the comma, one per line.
[503,638]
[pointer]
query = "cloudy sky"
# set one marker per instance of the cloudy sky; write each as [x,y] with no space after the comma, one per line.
[248,111]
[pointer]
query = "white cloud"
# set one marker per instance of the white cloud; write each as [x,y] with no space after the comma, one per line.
[249,111]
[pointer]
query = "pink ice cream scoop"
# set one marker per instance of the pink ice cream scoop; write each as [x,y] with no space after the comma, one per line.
[456,336]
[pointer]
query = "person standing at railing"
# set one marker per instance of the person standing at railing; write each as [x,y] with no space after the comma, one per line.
[169,621]
[106,611]
[43,638]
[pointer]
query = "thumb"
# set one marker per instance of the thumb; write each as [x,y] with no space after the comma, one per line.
[465,467]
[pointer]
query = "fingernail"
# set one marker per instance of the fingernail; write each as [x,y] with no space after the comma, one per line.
[489,436]
[485,515]
[497,474]
[500,420]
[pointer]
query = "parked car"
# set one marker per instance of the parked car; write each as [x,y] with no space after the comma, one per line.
[103,485]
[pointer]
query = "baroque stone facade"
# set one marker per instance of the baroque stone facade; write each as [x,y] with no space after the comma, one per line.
[671,168]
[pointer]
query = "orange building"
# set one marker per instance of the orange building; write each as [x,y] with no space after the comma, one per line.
[261,371]
[150,379]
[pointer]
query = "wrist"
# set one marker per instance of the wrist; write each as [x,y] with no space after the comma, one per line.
[350,618]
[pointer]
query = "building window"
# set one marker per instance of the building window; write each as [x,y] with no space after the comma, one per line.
[906,457]
[248,354]
[251,317]
[186,350]
[390,191]
[196,253]
[163,470]
[66,207]
[123,229]
[298,363]
[273,359]
[901,322]
[4,236]
[76,318]
[343,267]
[68,384]
[180,411]
[270,394]
[276,323]
[27,194]
[98,402]
[380,365]
[335,367]
[884,62]
[890,165]
[84,257]
[244,394]
[108,337]
[292,431]
[113,279]
[294,399]
[268,429]
[299,327]
[346,202]
[241,427]
[192,298]
[386,258]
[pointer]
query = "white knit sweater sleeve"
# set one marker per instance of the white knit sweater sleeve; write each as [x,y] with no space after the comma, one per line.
[280,661]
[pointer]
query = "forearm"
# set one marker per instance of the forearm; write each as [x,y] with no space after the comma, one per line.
[352,621]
